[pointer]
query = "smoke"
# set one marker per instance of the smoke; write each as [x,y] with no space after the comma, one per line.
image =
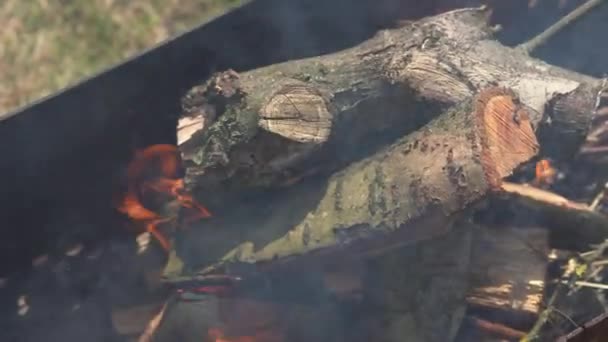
[45,161]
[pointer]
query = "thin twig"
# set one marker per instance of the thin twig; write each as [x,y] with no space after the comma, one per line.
[544,36]
[594,149]
[543,196]
[588,284]
[568,318]
[594,271]
[152,326]
[596,253]
[599,263]
[598,199]
[600,93]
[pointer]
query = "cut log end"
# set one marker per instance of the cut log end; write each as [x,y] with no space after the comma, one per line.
[508,137]
[299,113]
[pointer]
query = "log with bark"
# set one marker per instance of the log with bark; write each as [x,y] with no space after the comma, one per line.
[269,126]
[407,192]
[410,191]
[412,128]
[272,126]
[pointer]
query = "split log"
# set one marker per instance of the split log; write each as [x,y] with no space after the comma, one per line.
[508,270]
[494,274]
[259,128]
[418,291]
[408,192]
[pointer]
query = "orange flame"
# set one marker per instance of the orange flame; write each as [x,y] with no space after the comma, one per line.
[163,162]
[545,173]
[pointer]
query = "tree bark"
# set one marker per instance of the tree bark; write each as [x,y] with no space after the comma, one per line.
[408,192]
[258,128]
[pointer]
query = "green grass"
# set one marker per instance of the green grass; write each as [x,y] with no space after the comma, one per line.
[46,45]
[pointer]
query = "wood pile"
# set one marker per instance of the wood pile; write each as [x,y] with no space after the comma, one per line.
[386,153]
[423,185]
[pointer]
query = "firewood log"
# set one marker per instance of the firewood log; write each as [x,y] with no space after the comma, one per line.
[407,192]
[269,126]
[508,270]
[418,291]
[421,292]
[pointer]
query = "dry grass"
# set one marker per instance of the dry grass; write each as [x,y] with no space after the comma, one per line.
[46,45]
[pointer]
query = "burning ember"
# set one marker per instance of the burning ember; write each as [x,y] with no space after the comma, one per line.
[156,169]
[545,173]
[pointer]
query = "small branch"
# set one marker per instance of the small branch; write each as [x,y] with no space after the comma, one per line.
[568,318]
[543,196]
[571,17]
[598,198]
[153,325]
[573,225]
[576,269]
[588,284]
